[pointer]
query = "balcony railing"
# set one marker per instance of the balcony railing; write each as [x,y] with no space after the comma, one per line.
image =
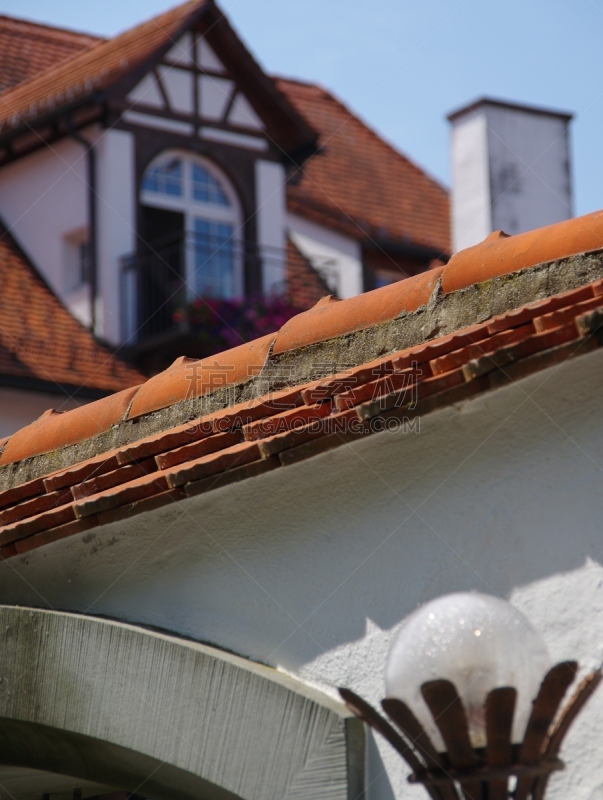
[159,281]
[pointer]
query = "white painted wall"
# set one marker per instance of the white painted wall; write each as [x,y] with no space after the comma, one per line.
[147,92]
[243,114]
[18,407]
[312,567]
[182,51]
[334,255]
[44,202]
[530,182]
[207,58]
[470,193]
[510,171]
[43,199]
[116,209]
[178,84]
[214,96]
[270,182]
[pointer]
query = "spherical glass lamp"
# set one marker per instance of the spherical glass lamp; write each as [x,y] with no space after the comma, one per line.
[477,642]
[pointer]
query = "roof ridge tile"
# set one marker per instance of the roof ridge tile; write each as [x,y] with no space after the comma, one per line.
[56,429]
[189,378]
[500,255]
[327,320]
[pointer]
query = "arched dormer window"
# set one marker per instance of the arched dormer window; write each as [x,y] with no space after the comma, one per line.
[202,209]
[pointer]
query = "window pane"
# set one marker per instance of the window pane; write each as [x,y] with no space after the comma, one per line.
[214,259]
[206,188]
[164,178]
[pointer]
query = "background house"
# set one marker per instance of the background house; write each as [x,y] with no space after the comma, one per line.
[163,164]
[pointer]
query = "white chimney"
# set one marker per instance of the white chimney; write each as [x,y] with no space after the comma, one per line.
[510,169]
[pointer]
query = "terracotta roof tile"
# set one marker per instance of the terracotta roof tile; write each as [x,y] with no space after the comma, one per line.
[116,477]
[106,462]
[555,319]
[71,357]
[160,442]
[188,378]
[28,49]
[332,317]
[128,492]
[478,347]
[392,383]
[233,475]
[150,503]
[51,535]
[39,522]
[361,184]
[29,508]
[56,429]
[24,491]
[500,254]
[298,422]
[205,446]
[234,456]
[299,417]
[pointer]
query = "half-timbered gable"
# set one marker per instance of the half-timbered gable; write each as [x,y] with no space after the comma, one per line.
[184,145]
[144,171]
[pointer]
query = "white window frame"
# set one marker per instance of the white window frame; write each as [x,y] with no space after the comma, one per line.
[193,209]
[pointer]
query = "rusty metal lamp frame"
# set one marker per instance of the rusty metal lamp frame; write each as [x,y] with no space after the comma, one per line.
[500,770]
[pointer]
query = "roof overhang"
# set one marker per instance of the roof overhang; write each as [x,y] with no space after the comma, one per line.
[288,131]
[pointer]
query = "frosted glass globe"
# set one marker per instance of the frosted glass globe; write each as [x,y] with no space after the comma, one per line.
[479,643]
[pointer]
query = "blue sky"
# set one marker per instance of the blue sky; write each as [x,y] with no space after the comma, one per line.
[403,64]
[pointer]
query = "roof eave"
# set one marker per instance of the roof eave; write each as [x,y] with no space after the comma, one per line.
[366,234]
[51,119]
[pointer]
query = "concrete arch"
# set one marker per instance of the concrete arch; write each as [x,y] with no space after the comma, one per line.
[118,705]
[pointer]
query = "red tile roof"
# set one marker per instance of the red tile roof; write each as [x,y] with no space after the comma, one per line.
[277,429]
[95,68]
[361,184]
[28,49]
[305,286]
[39,338]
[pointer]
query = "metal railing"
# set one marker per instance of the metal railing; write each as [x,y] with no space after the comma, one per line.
[158,282]
[162,278]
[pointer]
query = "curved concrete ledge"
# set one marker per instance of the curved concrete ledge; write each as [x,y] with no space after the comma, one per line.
[120,705]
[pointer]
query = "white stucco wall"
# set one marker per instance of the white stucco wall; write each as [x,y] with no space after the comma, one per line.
[530,182]
[44,202]
[338,257]
[116,209]
[43,199]
[312,567]
[470,193]
[18,407]
[270,182]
